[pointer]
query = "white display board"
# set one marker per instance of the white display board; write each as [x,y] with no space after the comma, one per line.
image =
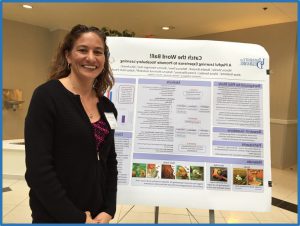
[193,123]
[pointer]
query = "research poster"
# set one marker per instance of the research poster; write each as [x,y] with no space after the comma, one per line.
[193,123]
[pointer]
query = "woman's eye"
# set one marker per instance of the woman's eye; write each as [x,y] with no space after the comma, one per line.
[82,50]
[98,53]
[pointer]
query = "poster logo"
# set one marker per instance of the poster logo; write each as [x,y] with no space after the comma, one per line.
[256,62]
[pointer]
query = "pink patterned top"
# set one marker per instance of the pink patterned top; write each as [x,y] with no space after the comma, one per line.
[100,131]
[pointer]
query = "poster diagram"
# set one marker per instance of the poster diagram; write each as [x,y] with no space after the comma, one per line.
[122,95]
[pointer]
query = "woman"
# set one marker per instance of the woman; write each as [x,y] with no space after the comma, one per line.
[69,135]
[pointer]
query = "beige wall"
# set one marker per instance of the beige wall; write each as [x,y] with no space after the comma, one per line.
[280,41]
[27,51]
[25,65]
[56,39]
[27,54]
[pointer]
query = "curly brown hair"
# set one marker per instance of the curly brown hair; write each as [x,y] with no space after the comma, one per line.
[61,69]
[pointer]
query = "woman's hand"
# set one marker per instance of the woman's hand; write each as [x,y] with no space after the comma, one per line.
[103,218]
[89,219]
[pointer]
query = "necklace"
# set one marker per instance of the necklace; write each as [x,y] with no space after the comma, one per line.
[89,114]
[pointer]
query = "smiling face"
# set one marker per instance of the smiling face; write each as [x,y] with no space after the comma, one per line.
[87,56]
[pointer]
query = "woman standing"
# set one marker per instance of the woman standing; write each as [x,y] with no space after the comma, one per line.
[69,135]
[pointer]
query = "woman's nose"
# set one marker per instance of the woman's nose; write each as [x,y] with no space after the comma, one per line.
[91,56]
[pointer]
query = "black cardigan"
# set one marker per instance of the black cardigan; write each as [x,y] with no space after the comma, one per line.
[63,172]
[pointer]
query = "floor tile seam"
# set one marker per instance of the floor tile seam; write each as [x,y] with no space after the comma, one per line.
[176,214]
[137,211]
[134,209]
[12,183]
[190,218]
[290,181]
[221,213]
[222,216]
[293,193]
[286,215]
[284,186]
[20,192]
[199,214]
[16,196]
[207,216]
[17,181]
[240,218]
[261,219]
[243,221]
[215,219]
[256,217]
[14,207]
[238,212]
[121,209]
[283,173]
[279,193]
[118,217]
[243,218]
[272,222]
[284,192]
[276,214]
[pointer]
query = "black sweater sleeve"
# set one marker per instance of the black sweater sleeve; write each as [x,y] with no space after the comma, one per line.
[112,174]
[40,170]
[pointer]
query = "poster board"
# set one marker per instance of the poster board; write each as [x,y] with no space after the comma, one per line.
[193,123]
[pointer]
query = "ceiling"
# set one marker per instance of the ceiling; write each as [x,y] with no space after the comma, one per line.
[146,19]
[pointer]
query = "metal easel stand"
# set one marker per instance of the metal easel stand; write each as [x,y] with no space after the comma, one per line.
[211,216]
[156,212]
[125,214]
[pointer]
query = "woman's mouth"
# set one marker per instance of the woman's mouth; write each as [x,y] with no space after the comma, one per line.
[90,67]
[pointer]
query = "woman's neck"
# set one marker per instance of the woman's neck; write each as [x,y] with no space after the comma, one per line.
[82,87]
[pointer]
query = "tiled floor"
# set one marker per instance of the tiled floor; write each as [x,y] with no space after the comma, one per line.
[16,209]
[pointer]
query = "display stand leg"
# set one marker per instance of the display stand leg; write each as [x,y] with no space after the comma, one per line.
[191,214]
[211,216]
[156,215]
[125,214]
